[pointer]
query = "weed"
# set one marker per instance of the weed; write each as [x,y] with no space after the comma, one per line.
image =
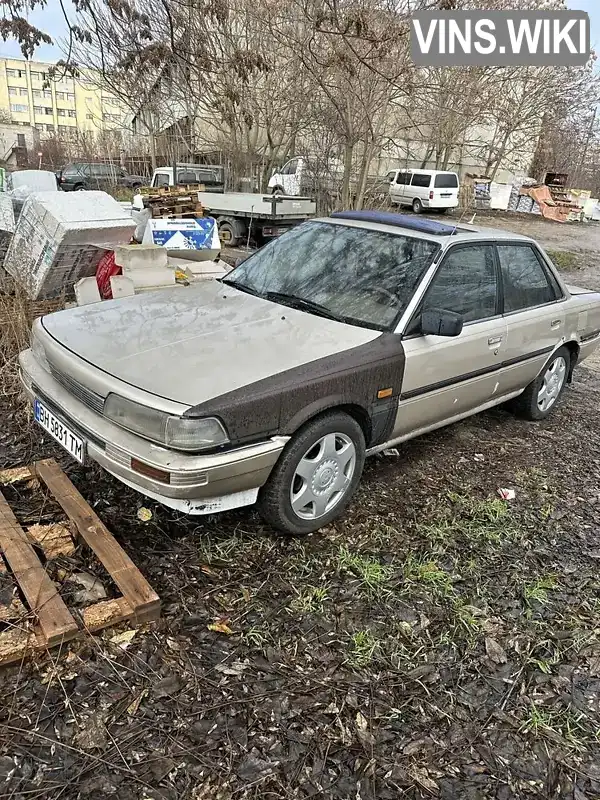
[466,618]
[480,521]
[255,637]
[371,573]
[564,259]
[364,647]
[310,600]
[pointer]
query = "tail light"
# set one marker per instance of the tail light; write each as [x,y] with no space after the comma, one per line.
[431,195]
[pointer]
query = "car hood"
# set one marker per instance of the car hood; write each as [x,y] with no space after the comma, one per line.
[190,344]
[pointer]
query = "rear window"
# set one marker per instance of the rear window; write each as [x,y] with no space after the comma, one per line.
[418,179]
[446,180]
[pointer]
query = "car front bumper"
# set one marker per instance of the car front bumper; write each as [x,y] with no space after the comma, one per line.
[198,484]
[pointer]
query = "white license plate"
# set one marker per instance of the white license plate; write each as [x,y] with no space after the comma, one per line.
[58,430]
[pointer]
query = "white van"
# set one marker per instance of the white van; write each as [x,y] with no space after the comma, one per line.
[424,188]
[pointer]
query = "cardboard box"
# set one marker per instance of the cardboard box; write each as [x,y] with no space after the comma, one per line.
[60,237]
[196,239]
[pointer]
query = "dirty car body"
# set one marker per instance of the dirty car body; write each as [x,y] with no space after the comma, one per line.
[344,337]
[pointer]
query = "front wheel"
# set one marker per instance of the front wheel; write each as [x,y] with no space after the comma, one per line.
[316,475]
[543,393]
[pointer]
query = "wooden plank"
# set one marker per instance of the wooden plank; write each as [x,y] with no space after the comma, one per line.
[135,588]
[56,623]
[17,644]
[106,613]
[11,608]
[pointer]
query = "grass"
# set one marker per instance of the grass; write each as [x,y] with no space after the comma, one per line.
[363,649]
[311,599]
[427,573]
[469,518]
[564,259]
[537,591]
[566,724]
[372,574]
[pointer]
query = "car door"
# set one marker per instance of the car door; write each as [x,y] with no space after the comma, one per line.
[419,188]
[446,378]
[533,311]
[398,187]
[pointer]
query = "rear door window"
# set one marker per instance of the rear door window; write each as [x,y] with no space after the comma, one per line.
[526,282]
[446,180]
[423,181]
[187,177]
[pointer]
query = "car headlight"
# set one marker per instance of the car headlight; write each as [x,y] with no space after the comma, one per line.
[39,353]
[180,433]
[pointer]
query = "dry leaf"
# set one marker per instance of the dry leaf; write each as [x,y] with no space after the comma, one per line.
[361,722]
[495,651]
[123,640]
[421,777]
[133,706]
[144,514]
[221,626]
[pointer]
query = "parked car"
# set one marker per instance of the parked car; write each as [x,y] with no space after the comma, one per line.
[82,175]
[303,176]
[341,338]
[424,188]
[212,177]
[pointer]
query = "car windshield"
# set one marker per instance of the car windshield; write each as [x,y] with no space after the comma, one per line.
[356,275]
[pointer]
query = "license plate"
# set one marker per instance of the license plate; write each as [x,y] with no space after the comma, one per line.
[58,430]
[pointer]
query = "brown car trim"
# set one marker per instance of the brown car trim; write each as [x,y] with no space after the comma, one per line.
[589,336]
[467,376]
[281,403]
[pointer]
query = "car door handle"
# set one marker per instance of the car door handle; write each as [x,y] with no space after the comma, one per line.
[494,340]
[555,324]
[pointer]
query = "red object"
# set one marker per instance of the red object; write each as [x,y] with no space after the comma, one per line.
[106,269]
[431,195]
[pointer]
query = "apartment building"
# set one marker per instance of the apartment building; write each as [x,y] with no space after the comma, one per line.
[61,106]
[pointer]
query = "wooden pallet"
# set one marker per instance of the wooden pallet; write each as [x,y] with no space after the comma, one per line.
[177,210]
[44,620]
[150,192]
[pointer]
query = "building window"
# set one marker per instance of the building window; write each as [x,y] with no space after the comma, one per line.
[70,96]
[50,128]
[47,94]
[23,92]
[61,112]
[36,93]
[21,140]
[19,109]
[38,110]
[13,90]
[48,111]
[15,73]
[89,116]
[60,95]
[39,128]
[72,112]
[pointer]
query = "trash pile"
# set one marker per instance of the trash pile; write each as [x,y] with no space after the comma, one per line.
[552,199]
[53,243]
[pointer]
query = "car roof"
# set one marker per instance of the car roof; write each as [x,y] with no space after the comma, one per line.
[403,224]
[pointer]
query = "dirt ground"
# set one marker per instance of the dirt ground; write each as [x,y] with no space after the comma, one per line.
[435,642]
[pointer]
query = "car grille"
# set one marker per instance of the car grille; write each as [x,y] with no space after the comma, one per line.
[89,398]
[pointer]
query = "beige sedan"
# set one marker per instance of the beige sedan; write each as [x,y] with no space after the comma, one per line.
[344,337]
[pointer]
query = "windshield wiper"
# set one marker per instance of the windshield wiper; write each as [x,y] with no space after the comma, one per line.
[302,304]
[241,286]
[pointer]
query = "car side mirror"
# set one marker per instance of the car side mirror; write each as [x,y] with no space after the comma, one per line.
[438,322]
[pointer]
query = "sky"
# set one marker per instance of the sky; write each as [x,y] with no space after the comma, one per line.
[52,21]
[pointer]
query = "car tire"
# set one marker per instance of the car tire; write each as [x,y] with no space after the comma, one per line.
[535,403]
[227,235]
[322,464]
[79,188]
[417,206]
[277,191]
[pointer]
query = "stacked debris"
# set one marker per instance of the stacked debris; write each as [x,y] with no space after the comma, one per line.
[61,237]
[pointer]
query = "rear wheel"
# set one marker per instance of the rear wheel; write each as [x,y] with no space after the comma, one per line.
[316,475]
[277,191]
[227,234]
[417,206]
[543,393]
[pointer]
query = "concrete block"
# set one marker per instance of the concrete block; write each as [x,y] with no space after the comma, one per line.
[140,256]
[150,276]
[121,286]
[87,292]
